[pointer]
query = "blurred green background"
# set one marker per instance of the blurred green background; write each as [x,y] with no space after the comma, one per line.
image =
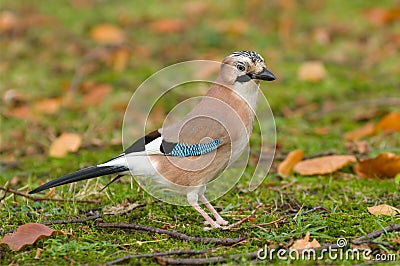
[50,46]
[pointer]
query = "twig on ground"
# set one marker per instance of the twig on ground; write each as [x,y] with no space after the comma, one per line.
[204,261]
[284,219]
[313,209]
[375,234]
[269,223]
[157,254]
[175,234]
[6,190]
[77,220]
[229,227]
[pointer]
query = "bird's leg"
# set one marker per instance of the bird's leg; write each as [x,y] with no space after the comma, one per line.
[192,198]
[218,217]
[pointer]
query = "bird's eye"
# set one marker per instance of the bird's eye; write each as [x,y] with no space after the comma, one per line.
[241,67]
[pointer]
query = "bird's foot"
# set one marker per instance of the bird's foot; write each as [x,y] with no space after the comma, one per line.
[222,222]
[212,224]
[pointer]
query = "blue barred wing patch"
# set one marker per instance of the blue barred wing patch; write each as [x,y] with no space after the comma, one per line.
[185,150]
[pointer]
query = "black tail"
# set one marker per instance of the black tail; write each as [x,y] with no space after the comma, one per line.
[87,173]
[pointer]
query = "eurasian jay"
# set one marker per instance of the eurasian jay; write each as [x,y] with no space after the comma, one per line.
[186,155]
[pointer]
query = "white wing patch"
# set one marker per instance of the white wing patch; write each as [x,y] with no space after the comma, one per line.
[154,146]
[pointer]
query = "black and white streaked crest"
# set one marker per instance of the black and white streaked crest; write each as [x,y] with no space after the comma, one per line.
[255,57]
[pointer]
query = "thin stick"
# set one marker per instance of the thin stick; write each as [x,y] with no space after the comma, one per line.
[269,223]
[6,190]
[175,234]
[205,261]
[313,209]
[244,219]
[375,234]
[77,220]
[157,254]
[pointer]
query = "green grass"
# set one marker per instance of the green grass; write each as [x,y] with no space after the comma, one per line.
[362,64]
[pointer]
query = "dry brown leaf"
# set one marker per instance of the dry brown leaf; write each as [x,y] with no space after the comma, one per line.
[383,209]
[323,165]
[22,112]
[232,27]
[96,95]
[27,234]
[360,133]
[385,165]
[322,35]
[8,21]
[321,131]
[381,16]
[67,142]
[48,106]
[120,60]
[195,8]
[390,122]
[312,71]
[107,34]
[15,180]
[286,167]
[358,147]
[305,243]
[167,26]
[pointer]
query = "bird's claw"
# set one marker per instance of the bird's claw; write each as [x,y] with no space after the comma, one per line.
[222,222]
[215,224]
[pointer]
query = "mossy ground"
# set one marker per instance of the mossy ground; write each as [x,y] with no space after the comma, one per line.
[362,65]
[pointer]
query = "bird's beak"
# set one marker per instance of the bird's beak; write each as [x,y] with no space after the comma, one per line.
[265,74]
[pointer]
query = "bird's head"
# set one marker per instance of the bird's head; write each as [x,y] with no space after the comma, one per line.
[244,66]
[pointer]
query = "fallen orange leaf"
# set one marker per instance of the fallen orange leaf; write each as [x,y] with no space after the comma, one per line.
[232,27]
[67,142]
[96,95]
[323,165]
[166,26]
[380,16]
[312,71]
[390,122]
[48,106]
[360,133]
[383,209]
[360,147]
[305,243]
[8,21]
[22,112]
[385,165]
[27,234]
[286,167]
[107,34]
[321,131]
[120,60]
